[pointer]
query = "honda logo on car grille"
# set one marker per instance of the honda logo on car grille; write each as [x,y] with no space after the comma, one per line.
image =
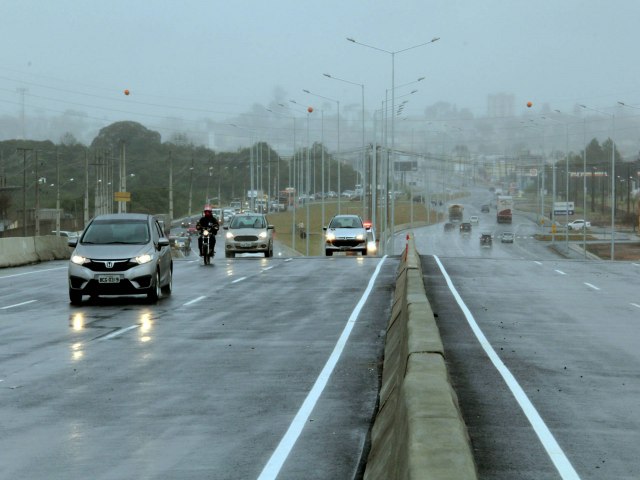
[109,264]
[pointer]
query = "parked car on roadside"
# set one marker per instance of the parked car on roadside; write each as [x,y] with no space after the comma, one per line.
[578,224]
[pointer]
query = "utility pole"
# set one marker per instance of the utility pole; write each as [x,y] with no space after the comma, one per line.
[37,207]
[57,192]
[22,91]
[191,186]
[170,187]
[122,205]
[86,190]
[24,187]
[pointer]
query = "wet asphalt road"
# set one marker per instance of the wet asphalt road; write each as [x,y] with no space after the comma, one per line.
[204,384]
[559,340]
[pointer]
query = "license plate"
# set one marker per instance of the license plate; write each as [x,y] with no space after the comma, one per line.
[109,279]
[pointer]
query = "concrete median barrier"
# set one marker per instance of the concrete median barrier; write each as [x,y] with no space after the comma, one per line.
[15,251]
[418,432]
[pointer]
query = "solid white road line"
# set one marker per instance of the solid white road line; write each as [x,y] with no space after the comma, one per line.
[536,261]
[591,286]
[558,457]
[191,302]
[560,272]
[239,279]
[117,333]
[635,305]
[18,304]
[32,272]
[273,466]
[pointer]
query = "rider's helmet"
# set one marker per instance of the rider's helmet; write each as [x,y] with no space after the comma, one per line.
[207,208]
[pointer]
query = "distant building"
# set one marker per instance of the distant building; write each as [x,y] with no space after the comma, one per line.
[500,105]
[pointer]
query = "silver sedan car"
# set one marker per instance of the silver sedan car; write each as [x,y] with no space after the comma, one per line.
[121,254]
[248,233]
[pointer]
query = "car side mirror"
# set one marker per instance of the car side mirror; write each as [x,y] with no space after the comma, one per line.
[72,242]
[225,227]
[163,242]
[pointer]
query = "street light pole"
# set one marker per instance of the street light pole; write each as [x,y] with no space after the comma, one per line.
[363,164]
[393,108]
[338,145]
[584,184]
[613,177]
[636,108]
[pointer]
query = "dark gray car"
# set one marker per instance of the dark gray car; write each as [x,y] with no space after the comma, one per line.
[121,254]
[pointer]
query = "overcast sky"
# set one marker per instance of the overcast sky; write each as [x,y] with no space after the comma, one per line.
[216,59]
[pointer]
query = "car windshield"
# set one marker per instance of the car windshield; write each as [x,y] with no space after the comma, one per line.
[346,222]
[105,232]
[241,221]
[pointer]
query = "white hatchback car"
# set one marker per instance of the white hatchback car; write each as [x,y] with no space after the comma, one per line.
[474,219]
[345,233]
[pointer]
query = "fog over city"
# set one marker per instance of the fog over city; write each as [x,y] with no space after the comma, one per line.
[226,74]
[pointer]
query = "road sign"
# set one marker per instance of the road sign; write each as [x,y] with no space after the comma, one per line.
[122,196]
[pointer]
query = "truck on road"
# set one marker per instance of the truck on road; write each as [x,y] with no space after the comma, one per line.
[456,212]
[504,205]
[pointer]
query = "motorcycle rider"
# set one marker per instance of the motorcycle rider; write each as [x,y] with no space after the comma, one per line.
[208,220]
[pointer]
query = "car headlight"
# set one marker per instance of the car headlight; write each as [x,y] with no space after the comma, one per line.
[331,236]
[79,260]
[262,235]
[360,237]
[141,259]
[229,235]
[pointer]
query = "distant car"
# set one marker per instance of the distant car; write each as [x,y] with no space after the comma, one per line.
[507,237]
[485,209]
[181,242]
[372,243]
[486,240]
[120,254]
[448,227]
[65,233]
[345,233]
[248,233]
[474,219]
[578,224]
[465,228]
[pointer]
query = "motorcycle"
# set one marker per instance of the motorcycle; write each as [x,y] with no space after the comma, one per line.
[208,243]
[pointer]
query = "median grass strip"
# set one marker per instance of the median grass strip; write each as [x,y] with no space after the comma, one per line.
[285,223]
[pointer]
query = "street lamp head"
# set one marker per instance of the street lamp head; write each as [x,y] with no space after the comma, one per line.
[327,75]
[622,103]
[351,40]
[435,39]
[420,79]
[306,91]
